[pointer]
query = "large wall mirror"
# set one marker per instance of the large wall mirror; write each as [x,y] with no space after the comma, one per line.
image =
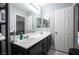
[46,22]
[20,21]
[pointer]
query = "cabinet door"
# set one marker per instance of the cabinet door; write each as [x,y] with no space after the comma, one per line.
[14,49]
[17,50]
[45,48]
[48,42]
[36,50]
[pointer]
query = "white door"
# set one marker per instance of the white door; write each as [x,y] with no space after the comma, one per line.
[64,29]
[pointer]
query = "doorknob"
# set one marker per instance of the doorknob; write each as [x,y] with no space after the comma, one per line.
[56,33]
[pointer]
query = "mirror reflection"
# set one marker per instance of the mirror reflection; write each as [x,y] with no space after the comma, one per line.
[27,20]
[46,22]
[20,24]
[38,22]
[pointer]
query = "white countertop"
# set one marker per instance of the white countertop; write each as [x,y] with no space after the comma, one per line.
[33,39]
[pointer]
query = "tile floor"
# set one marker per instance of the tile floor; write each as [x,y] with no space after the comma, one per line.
[54,52]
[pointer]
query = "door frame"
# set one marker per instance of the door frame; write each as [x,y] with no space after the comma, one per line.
[75,26]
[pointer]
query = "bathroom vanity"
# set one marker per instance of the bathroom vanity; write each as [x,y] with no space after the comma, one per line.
[36,44]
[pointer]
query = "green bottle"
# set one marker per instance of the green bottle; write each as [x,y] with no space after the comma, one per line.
[21,36]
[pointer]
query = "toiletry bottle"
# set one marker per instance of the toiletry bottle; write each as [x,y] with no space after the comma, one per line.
[21,36]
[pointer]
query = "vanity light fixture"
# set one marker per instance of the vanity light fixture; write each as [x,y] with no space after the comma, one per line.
[31,7]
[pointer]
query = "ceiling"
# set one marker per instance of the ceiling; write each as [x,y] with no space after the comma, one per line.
[48,5]
[57,5]
[49,8]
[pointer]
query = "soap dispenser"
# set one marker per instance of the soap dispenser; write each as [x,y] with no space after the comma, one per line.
[21,36]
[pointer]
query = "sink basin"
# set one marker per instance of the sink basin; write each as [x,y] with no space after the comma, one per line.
[35,36]
[31,38]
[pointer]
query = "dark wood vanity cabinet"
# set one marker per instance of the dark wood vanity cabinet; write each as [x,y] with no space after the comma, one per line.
[40,48]
[18,50]
[46,44]
[37,49]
